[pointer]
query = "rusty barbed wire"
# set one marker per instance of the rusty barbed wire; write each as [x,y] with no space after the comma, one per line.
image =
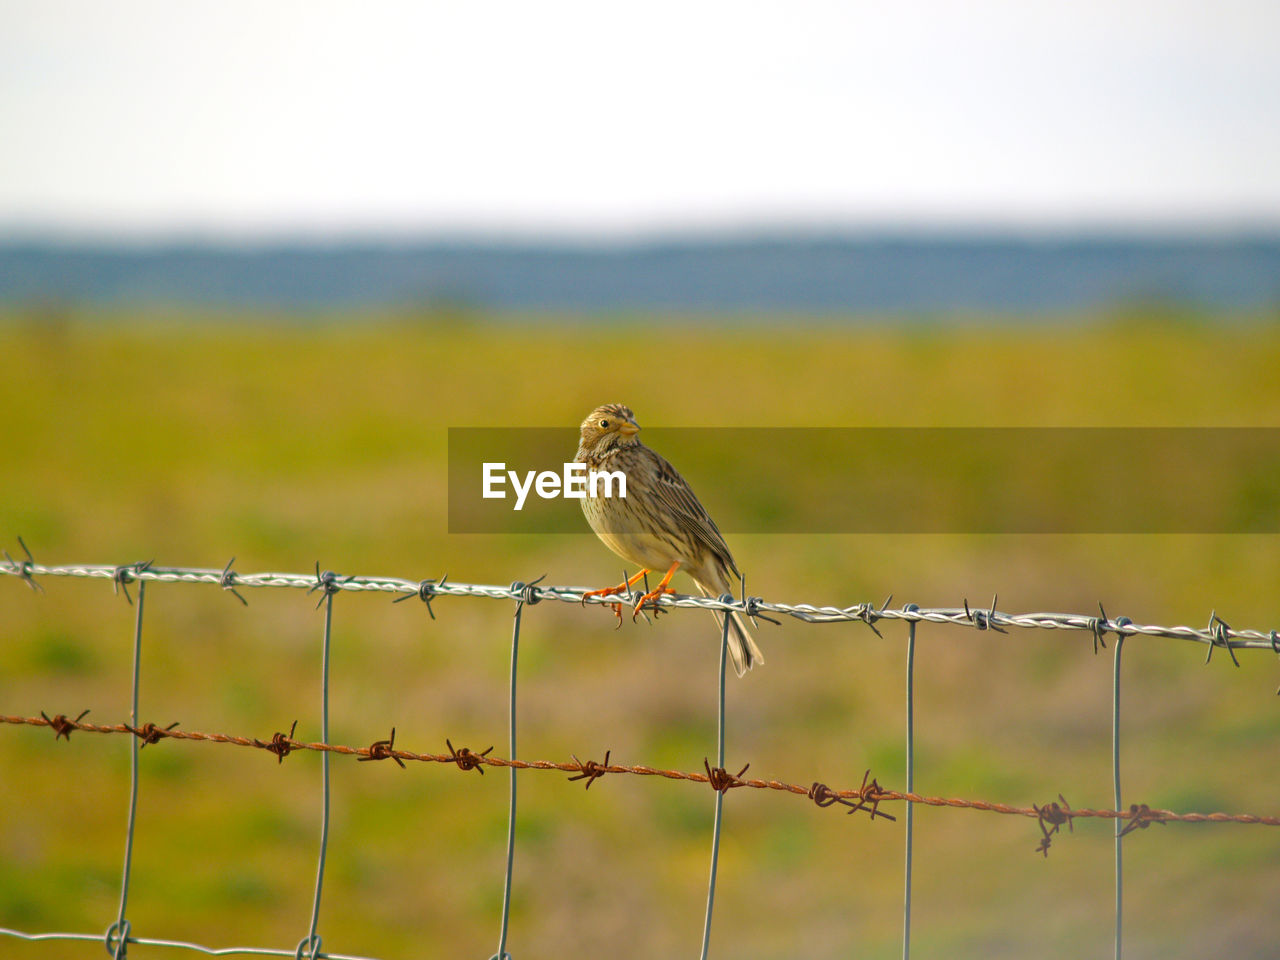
[865,797]
[1216,634]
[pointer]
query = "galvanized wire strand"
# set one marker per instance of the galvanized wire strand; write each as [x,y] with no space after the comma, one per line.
[1115,779]
[909,814]
[118,932]
[309,946]
[715,828]
[511,807]
[174,944]
[1216,634]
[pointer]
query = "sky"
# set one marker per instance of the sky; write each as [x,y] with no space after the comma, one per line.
[249,119]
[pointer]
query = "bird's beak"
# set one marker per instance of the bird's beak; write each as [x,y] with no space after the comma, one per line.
[628,428]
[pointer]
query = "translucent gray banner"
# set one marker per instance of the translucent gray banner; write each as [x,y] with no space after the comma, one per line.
[899,480]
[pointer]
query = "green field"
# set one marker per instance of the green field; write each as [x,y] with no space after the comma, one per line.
[189,440]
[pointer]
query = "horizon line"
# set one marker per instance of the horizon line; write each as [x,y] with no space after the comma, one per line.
[942,229]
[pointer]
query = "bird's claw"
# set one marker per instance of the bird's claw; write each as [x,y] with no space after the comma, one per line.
[650,598]
[608,592]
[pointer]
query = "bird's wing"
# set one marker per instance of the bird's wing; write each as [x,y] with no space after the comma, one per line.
[677,496]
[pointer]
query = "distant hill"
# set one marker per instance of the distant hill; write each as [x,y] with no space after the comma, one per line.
[836,274]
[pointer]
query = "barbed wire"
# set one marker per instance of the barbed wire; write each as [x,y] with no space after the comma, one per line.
[866,798]
[1217,633]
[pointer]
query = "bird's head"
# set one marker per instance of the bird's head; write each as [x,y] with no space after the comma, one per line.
[607,428]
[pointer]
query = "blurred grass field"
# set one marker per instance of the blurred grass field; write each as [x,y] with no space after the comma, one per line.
[190,439]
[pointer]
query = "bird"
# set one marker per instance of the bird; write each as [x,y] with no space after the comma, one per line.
[658,525]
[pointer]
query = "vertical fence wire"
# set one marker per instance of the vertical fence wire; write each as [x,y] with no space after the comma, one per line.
[310,947]
[511,752]
[1115,776]
[119,931]
[910,787]
[715,830]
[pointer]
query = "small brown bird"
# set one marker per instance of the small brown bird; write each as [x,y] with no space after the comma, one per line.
[659,524]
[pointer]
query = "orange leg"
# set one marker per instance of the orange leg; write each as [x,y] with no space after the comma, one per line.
[609,591]
[655,594]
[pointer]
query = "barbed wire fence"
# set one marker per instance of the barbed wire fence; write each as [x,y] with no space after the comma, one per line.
[867,797]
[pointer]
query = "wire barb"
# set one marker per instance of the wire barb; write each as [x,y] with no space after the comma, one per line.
[528,593]
[590,771]
[280,744]
[1051,817]
[127,572]
[1219,636]
[383,750]
[721,779]
[426,592]
[1141,816]
[62,727]
[984,619]
[149,733]
[329,582]
[751,606]
[465,759]
[1098,627]
[1275,646]
[631,597]
[228,581]
[22,568]
[868,614]
[871,793]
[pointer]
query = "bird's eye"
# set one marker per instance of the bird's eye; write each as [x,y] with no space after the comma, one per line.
[604,424]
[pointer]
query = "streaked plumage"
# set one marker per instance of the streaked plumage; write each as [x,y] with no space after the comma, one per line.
[660,524]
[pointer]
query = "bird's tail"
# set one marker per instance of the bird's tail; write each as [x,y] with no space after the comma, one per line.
[742,648]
